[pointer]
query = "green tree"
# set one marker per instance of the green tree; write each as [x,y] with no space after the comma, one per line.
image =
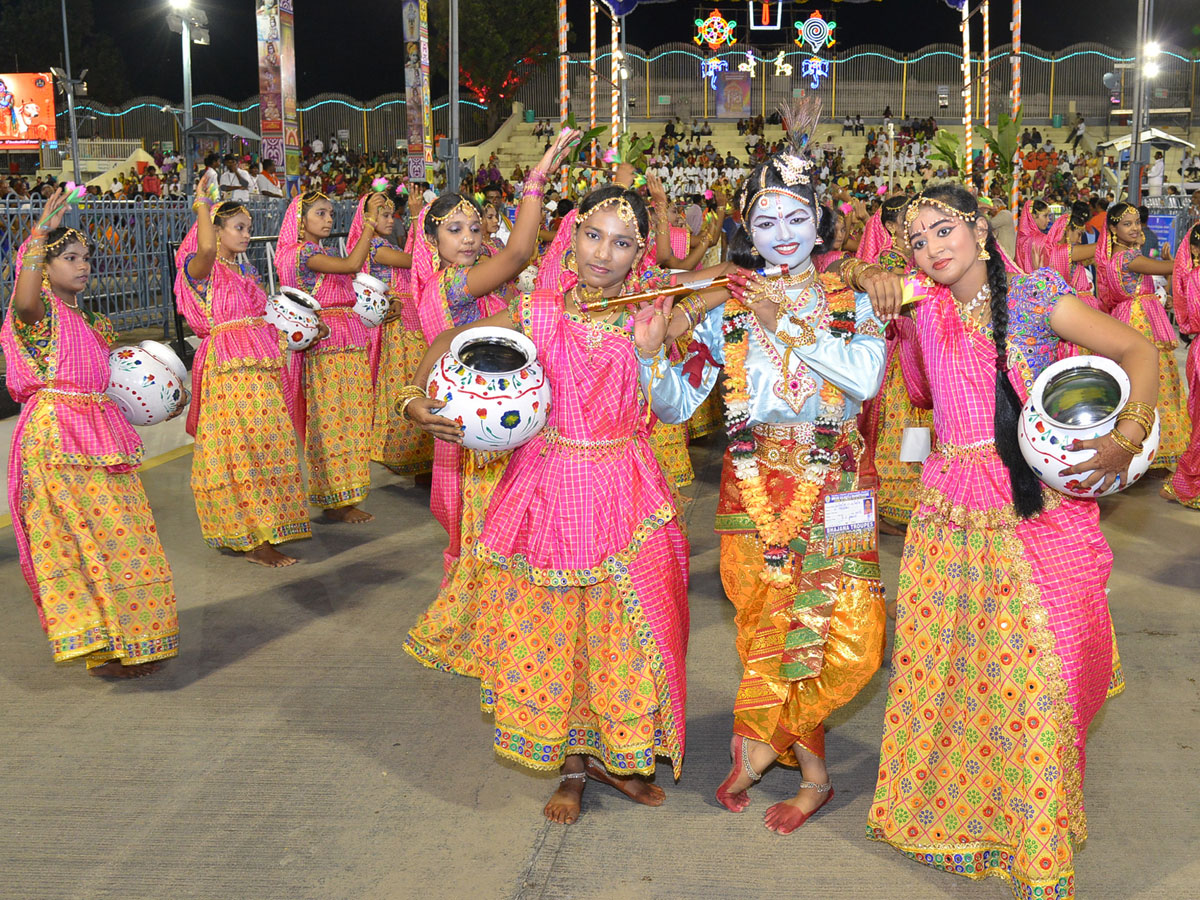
[1003,143]
[31,41]
[499,48]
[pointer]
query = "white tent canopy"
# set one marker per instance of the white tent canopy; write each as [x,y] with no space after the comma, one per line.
[1152,136]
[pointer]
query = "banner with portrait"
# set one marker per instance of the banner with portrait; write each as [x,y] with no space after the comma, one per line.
[417,109]
[26,110]
[734,94]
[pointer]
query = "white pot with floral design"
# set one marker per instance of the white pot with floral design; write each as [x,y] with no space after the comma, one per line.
[371,300]
[1077,398]
[147,382]
[492,385]
[294,313]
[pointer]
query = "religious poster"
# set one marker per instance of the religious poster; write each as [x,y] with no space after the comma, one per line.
[417,110]
[291,114]
[270,87]
[26,110]
[734,93]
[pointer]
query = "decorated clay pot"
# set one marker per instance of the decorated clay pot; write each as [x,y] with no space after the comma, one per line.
[371,303]
[294,313]
[147,382]
[1077,399]
[492,385]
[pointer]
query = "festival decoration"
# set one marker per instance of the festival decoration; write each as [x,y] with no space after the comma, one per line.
[715,31]
[766,15]
[815,68]
[709,69]
[782,68]
[749,64]
[815,32]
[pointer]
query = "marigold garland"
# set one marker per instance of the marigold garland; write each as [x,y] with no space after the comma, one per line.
[777,529]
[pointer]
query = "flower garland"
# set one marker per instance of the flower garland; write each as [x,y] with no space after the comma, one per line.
[777,529]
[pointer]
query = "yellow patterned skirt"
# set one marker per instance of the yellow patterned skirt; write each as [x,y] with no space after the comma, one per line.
[104,583]
[1175,426]
[564,672]
[397,443]
[708,417]
[245,465]
[780,711]
[444,636]
[669,443]
[337,447]
[899,482]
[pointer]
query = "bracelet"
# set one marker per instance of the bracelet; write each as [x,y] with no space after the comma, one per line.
[535,178]
[1140,419]
[533,190]
[1124,443]
[368,222]
[407,395]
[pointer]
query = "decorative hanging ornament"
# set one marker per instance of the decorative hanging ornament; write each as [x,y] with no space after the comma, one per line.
[749,64]
[782,68]
[815,69]
[710,67]
[716,31]
[766,15]
[815,32]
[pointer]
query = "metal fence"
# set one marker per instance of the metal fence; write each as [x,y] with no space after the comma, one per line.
[132,263]
[375,125]
[866,78]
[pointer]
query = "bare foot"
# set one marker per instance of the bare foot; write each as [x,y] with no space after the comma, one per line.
[114,669]
[266,555]
[351,515]
[887,526]
[1166,493]
[733,792]
[788,815]
[563,805]
[635,787]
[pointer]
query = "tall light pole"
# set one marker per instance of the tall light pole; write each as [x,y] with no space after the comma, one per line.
[69,85]
[191,24]
[452,162]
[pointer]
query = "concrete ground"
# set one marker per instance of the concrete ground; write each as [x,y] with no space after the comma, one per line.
[293,751]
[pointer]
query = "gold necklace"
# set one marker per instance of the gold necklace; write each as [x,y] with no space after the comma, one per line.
[232,263]
[589,298]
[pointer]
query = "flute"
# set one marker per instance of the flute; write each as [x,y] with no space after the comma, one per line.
[674,290]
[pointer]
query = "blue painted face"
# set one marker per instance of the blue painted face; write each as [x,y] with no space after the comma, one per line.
[783,229]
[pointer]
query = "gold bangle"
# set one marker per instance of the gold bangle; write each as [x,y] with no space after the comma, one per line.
[1124,443]
[407,395]
[1142,418]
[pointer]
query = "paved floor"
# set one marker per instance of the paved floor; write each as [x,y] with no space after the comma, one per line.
[293,751]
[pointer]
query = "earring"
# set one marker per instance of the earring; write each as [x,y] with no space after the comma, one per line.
[45,280]
[568,261]
[983,253]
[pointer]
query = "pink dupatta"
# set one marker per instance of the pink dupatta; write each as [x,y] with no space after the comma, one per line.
[1117,301]
[875,239]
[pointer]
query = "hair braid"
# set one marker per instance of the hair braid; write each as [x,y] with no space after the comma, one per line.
[1026,489]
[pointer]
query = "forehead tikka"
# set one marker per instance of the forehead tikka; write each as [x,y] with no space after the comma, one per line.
[914,209]
[463,206]
[624,212]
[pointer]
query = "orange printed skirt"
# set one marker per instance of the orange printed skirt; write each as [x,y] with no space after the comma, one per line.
[772,706]
[981,764]
[103,583]
[577,668]
[337,447]
[899,482]
[245,465]
[1175,425]
[397,443]
[445,636]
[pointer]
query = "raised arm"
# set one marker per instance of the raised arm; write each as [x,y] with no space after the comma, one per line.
[27,296]
[201,264]
[351,263]
[490,273]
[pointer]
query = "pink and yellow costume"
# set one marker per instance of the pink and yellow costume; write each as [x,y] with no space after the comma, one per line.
[1004,648]
[463,480]
[86,537]
[1130,298]
[245,465]
[1032,243]
[1184,486]
[584,567]
[334,395]
[888,414]
[396,349]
